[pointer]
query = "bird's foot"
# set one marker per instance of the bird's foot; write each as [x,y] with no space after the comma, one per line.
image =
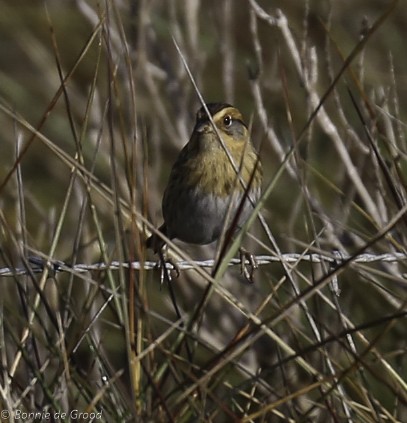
[247,269]
[165,271]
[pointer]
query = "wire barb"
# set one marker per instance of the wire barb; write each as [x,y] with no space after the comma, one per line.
[38,263]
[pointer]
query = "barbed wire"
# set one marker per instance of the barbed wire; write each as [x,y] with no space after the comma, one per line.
[37,264]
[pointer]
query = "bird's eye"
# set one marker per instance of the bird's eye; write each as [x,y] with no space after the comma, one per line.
[227,121]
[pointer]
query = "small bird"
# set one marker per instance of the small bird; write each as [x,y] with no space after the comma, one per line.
[203,181]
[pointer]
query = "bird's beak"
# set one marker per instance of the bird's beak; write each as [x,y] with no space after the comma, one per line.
[203,128]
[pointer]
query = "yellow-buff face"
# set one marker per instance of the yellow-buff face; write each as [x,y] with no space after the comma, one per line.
[203,181]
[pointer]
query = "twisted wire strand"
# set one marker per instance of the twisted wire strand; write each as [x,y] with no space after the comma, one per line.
[37,264]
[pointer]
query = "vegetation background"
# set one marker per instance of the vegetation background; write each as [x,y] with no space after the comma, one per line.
[95,104]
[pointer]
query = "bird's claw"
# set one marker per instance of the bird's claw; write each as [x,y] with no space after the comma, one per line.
[165,272]
[247,270]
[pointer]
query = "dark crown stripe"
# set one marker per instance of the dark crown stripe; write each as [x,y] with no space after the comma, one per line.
[213,108]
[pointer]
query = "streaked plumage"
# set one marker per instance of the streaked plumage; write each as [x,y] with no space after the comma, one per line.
[203,181]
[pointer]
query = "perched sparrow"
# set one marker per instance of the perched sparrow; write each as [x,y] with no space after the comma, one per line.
[203,181]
